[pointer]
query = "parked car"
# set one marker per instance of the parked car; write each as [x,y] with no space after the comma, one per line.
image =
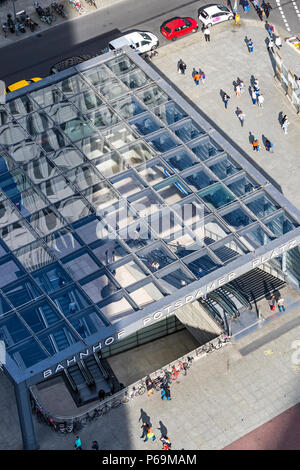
[140,41]
[21,84]
[213,14]
[177,27]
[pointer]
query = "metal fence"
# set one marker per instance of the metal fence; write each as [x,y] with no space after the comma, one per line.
[115,400]
[288,82]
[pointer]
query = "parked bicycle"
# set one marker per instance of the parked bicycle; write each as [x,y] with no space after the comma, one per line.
[59,9]
[92,3]
[77,5]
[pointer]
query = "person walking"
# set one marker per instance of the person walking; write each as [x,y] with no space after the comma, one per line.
[271,30]
[271,45]
[238,90]
[267,9]
[278,42]
[166,443]
[95,445]
[285,126]
[255,145]
[145,427]
[182,67]
[242,87]
[253,96]
[226,98]
[197,77]
[150,434]
[207,34]
[280,304]
[271,302]
[250,45]
[203,77]
[149,386]
[78,445]
[268,145]
[242,118]
[261,100]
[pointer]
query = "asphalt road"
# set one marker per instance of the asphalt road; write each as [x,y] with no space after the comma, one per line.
[90,34]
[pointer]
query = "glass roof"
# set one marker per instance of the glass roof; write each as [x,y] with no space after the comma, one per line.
[96,171]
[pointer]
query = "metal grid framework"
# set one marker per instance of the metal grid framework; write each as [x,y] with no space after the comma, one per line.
[104,142]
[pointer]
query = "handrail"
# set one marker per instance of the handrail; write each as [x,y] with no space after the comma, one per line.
[122,393]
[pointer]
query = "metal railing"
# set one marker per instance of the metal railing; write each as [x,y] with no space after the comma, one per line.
[122,394]
[288,82]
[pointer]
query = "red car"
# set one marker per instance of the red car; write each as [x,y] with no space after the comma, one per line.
[177,27]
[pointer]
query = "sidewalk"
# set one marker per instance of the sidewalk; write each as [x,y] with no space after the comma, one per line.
[223,60]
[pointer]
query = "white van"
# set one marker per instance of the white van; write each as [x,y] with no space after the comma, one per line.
[139,41]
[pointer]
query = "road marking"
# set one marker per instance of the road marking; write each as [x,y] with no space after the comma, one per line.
[283,15]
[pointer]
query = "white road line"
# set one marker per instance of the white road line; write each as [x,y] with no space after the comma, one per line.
[283,15]
[296,9]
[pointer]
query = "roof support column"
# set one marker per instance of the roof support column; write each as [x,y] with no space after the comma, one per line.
[25,416]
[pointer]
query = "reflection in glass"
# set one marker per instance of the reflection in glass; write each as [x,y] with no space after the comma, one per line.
[120,65]
[169,113]
[145,125]
[101,195]
[163,142]
[21,292]
[98,75]
[46,220]
[154,172]
[25,151]
[109,165]
[128,273]
[201,265]
[237,218]
[175,280]
[181,160]
[74,208]
[80,265]
[216,196]
[37,122]
[262,206]
[112,89]
[72,85]
[29,201]
[57,188]
[8,213]
[199,179]
[146,295]
[153,96]
[136,153]
[225,167]
[281,224]
[86,101]
[128,107]
[28,354]
[6,163]
[9,272]
[52,278]
[70,301]
[67,158]
[119,136]
[12,330]
[20,106]
[103,117]
[94,147]
[40,170]
[16,235]
[40,316]
[99,288]
[52,140]
[135,79]
[242,185]
[12,134]
[47,96]
[188,130]
[62,242]
[84,176]
[205,148]
[33,256]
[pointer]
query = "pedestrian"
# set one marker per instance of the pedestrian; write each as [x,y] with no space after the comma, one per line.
[145,427]
[242,118]
[149,386]
[250,45]
[285,126]
[242,87]
[253,96]
[271,30]
[178,65]
[260,13]
[197,77]
[203,77]
[280,303]
[268,145]
[255,145]
[271,302]
[95,445]
[246,5]
[207,34]
[226,98]
[182,67]
[168,393]
[101,394]
[261,100]
[256,85]
[150,434]
[166,443]
[78,445]
[267,7]
[256,4]
[238,90]
[271,45]
[278,43]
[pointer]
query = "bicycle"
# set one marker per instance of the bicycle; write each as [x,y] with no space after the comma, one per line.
[92,3]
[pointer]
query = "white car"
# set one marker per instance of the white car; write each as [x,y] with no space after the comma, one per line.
[140,41]
[213,14]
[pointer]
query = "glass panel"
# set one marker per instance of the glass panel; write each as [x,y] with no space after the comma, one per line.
[205,148]
[101,195]
[175,280]
[99,288]
[118,216]
[40,170]
[163,142]
[12,134]
[202,265]
[52,140]
[119,136]
[52,278]
[188,130]
[80,266]
[72,85]
[13,182]
[237,218]
[12,330]
[25,151]
[58,339]
[146,295]
[35,123]
[46,220]
[47,96]
[86,101]
[213,231]
[135,79]
[242,185]
[112,89]
[128,184]
[199,179]
[257,236]
[128,273]
[88,323]
[62,243]
[135,154]
[28,354]
[4,306]
[155,258]
[227,251]
[40,316]
[120,65]
[70,301]
[153,96]
[6,163]
[98,75]
[89,230]
[172,190]
[110,164]
[84,176]
[94,147]
[9,272]
[67,158]
[109,251]
[21,292]
[103,117]
[74,208]
[57,188]
[262,206]
[169,113]
[29,201]
[115,308]
[225,167]
[281,224]
[181,160]
[154,172]
[128,107]
[145,125]
[16,235]
[216,196]
[8,213]
[33,256]
[20,106]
